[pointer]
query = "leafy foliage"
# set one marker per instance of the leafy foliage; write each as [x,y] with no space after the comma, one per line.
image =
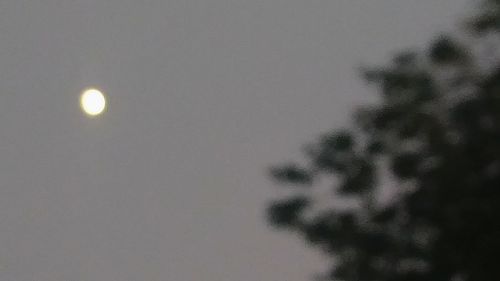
[436,131]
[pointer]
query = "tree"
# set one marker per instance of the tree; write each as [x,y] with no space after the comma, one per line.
[436,134]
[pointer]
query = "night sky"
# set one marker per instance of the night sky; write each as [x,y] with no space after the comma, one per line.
[170,183]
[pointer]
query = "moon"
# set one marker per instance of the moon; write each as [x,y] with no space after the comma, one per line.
[93,102]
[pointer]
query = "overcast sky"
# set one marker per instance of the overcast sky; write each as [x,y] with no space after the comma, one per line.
[170,183]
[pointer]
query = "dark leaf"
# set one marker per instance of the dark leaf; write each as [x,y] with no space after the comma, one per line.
[286,213]
[445,50]
[406,165]
[338,141]
[292,174]
[362,180]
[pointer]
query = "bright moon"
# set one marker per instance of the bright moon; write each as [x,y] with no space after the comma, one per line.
[93,102]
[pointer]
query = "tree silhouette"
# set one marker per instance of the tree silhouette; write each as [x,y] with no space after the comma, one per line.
[433,144]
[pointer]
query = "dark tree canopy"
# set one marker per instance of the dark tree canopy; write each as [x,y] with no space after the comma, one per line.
[433,144]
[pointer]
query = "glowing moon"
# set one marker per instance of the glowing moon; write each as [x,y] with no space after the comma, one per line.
[93,102]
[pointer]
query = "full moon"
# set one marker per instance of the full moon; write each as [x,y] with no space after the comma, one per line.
[93,102]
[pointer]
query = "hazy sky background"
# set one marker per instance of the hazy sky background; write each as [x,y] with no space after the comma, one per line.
[170,183]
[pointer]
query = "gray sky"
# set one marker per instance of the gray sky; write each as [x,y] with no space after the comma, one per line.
[170,183]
